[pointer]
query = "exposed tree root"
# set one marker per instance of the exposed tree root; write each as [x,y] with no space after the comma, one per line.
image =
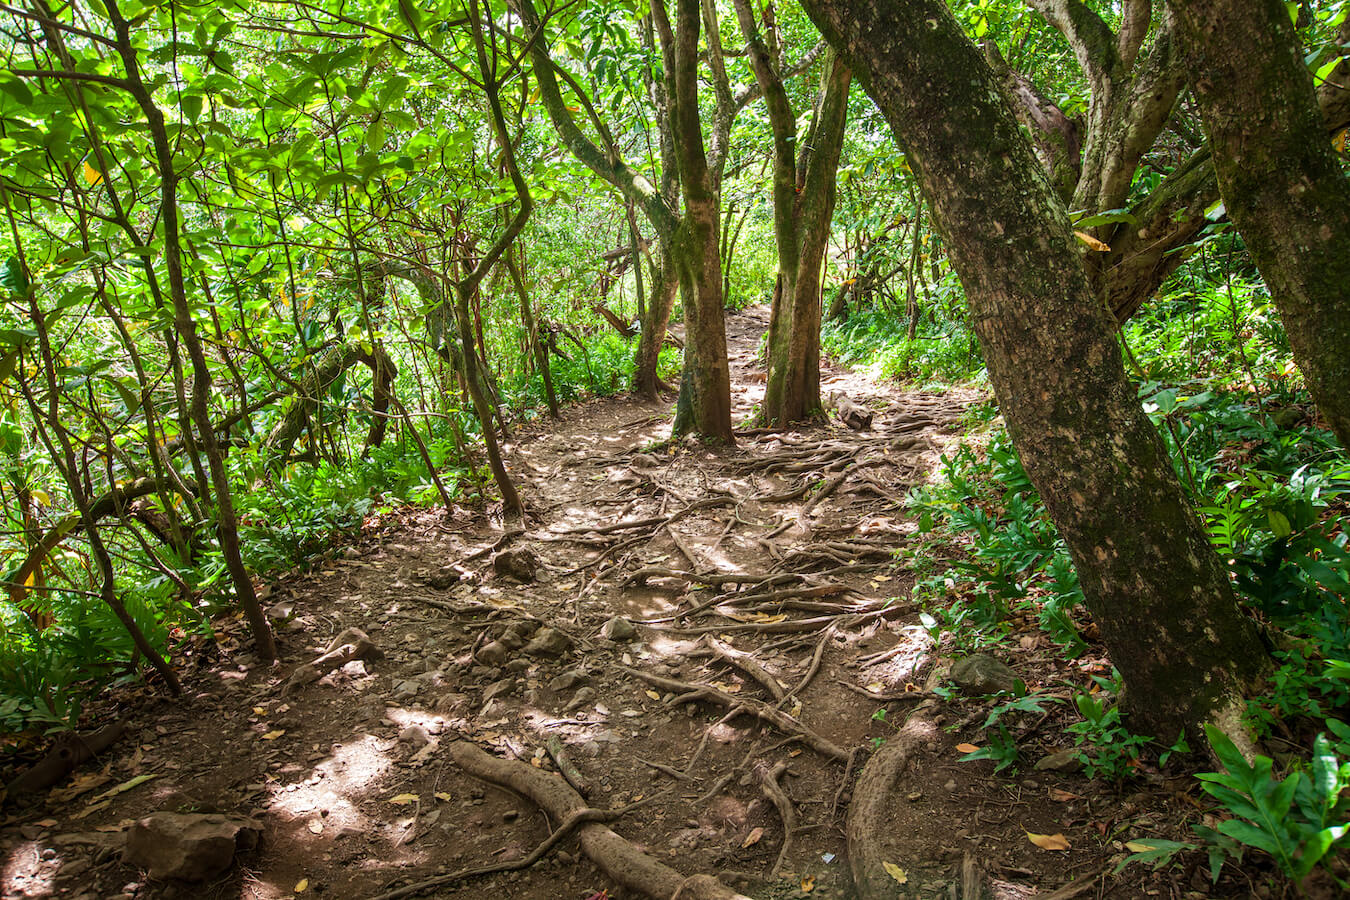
[875,789]
[776,717]
[747,664]
[614,855]
[769,784]
[351,644]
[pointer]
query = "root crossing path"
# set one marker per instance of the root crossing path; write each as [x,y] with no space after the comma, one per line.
[672,668]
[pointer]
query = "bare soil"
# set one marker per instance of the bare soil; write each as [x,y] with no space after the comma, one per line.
[349,776]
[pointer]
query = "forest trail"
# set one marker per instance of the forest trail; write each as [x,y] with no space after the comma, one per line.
[739,575]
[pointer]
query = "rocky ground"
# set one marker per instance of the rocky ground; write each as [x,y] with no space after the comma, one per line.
[697,648]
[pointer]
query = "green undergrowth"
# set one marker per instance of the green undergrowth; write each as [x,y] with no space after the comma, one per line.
[1214,374]
[291,517]
[945,352]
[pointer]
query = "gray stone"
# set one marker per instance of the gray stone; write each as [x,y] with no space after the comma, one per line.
[493,653]
[1062,761]
[512,638]
[415,735]
[188,846]
[580,699]
[499,689]
[618,629]
[406,690]
[520,564]
[980,673]
[548,642]
[568,680]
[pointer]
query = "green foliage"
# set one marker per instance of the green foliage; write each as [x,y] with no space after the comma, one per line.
[1297,819]
[945,353]
[1106,748]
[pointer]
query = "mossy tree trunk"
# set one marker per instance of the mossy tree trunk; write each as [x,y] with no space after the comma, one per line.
[803,198]
[705,389]
[1280,179]
[1151,579]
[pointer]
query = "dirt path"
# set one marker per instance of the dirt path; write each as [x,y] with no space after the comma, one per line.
[762,570]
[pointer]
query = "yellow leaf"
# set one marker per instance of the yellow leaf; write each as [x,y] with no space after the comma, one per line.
[443,795]
[259,711]
[92,175]
[273,735]
[301,886]
[316,827]
[808,884]
[876,687]
[1091,241]
[124,787]
[1139,846]
[404,799]
[1056,842]
[653,694]
[895,872]
[967,748]
[753,837]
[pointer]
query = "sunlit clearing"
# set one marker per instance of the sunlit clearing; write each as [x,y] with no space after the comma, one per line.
[338,785]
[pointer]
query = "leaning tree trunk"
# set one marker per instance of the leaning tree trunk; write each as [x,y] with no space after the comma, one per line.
[1280,179]
[1151,580]
[535,345]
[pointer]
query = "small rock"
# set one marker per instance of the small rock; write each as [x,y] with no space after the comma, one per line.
[580,699]
[406,690]
[415,735]
[47,854]
[950,785]
[568,680]
[517,666]
[493,653]
[1062,761]
[512,639]
[189,846]
[548,642]
[980,673]
[510,815]
[618,629]
[499,689]
[520,564]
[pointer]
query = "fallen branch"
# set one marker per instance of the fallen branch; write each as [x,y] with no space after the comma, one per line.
[68,751]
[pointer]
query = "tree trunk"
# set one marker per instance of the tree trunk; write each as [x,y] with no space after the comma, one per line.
[1152,582]
[1280,179]
[661,301]
[803,198]
[535,346]
[704,405]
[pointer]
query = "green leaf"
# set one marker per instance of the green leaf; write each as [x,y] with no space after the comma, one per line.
[13,278]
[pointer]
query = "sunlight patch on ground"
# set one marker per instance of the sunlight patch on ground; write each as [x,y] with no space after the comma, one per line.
[26,874]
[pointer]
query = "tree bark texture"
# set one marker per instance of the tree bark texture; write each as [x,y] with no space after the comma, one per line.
[705,389]
[1280,179]
[1150,577]
[804,175]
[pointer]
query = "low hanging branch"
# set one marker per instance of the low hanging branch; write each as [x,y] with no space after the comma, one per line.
[319,379]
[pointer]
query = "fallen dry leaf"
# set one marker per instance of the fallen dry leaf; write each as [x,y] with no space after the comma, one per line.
[753,837]
[273,735]
[301,886]
[404,799]
[895,872]
[1063,796]
[442,795]
[1056,842]
[653,694]
[808,884]
[967,748]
